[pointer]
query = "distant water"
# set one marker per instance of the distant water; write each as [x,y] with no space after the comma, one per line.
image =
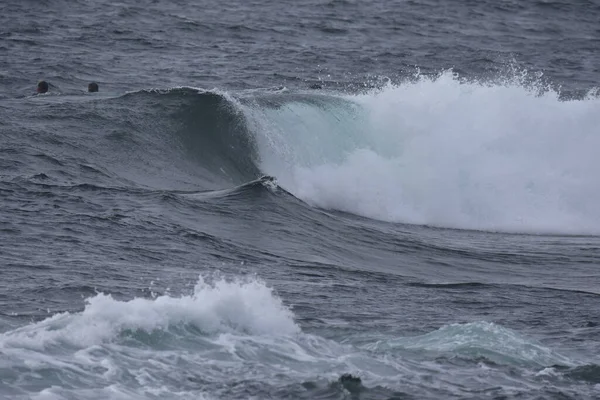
[300,200]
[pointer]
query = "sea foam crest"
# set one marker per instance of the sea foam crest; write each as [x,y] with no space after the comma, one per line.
[243,307]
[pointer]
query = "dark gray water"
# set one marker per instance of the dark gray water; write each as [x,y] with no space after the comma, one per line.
[326,200]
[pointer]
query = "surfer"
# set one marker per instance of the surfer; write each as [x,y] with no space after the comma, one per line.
[93,87]
[42,87]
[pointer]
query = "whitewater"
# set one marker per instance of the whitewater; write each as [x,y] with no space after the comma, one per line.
[230,329]
[441,151]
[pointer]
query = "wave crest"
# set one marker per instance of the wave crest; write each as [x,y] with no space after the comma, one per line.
[239,306]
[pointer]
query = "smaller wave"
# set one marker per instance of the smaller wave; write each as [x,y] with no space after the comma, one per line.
[236,339]
[476,340]
[222,306]
[252,187]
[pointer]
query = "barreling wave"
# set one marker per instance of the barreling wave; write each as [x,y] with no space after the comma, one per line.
[433,151]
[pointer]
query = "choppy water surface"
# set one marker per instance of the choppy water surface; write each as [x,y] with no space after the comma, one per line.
[326,200]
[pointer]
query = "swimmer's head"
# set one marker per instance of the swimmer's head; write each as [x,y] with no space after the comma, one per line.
[93,87]
[42,87]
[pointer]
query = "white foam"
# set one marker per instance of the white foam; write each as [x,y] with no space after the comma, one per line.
[443,152]
[248,307]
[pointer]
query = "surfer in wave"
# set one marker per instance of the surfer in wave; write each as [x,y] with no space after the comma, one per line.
[42,87]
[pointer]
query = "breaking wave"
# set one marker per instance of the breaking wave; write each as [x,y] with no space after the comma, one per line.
[442,152]
[433,151]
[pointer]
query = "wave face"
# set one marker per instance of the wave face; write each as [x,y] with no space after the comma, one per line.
[441,152]
[177,138]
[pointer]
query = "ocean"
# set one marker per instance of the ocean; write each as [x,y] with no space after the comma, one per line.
[324,199]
